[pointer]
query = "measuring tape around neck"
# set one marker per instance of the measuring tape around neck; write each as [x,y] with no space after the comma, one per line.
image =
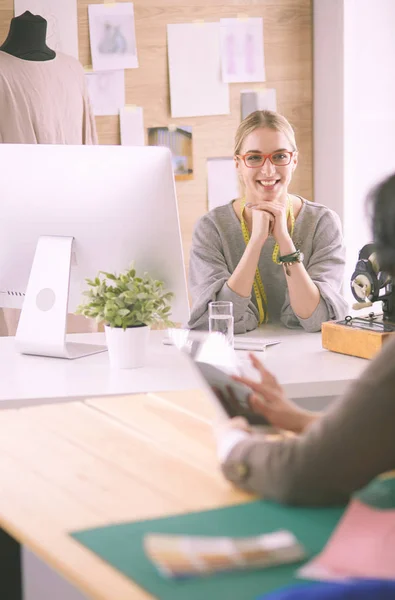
[259,289]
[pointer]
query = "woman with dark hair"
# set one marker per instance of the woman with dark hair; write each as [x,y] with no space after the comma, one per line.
[333,454]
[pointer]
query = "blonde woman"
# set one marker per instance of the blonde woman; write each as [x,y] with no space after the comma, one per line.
[275,255]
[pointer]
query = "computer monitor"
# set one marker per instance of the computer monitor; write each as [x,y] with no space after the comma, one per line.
[96,208]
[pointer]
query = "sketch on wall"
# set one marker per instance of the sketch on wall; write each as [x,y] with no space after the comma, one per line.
[112,36]
[113,39]
[106,91]
[62,24]
[242,55]
[179,140]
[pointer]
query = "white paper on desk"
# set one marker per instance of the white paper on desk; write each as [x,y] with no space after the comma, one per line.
[112,36]
[222,181]
[132,126]
[242,55]
[62,22]
[106,91]
[252,100]
[196,88]
[253,344]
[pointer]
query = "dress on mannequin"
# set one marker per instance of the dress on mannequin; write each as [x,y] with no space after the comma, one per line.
[43,94]
[43,100]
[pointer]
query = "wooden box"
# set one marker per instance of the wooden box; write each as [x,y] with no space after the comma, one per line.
[353,341]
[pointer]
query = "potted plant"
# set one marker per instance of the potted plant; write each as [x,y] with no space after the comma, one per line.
[129,306]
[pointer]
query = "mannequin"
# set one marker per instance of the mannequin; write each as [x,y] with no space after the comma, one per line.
[26,38]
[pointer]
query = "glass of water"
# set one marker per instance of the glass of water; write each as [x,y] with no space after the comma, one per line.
[220,319]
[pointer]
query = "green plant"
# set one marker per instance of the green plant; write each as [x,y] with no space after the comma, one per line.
[126,300]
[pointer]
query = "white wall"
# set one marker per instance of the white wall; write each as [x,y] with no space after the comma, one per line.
[354,96]
[328,105]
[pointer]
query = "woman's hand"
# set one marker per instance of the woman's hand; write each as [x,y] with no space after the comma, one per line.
[229,401]
[270,400]
[262,225]
[278,219]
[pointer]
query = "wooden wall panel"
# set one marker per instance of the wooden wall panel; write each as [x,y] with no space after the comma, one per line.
[288,54]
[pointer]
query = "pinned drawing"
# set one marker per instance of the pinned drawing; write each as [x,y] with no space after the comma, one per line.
[113,40]
[112,36]
[230,54]
[106,91]
[242,55]
[249,53]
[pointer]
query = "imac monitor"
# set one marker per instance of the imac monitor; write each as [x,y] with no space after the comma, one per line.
[68,212]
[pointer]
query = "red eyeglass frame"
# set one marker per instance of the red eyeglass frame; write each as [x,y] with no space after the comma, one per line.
[266,156]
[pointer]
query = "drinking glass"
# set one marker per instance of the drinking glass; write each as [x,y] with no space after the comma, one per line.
[220,319]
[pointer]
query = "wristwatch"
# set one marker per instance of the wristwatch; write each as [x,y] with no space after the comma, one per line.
[290,259]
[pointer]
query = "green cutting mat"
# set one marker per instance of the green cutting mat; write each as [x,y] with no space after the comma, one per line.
[121,546]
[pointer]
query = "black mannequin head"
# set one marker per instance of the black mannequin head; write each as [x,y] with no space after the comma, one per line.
[26,38]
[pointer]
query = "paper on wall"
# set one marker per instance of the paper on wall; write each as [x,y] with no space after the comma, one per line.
[132,126]
[106,91]
[242,53]
[62,22]
[196,88]
[252,100]
[112,36]
[222,181]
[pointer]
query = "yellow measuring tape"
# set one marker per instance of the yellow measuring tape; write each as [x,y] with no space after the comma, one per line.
[259,290]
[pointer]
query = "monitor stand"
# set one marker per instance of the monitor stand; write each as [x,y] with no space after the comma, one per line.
[42,324]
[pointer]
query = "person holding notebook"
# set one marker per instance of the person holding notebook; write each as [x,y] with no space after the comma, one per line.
[332,454]
[275,255]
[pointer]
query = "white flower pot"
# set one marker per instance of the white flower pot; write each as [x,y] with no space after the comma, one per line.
[127,348]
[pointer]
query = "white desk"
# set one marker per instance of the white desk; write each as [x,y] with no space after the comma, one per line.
[304,367]
[299,362]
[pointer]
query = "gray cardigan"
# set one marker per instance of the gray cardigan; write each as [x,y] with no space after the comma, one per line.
[338,454]
[218,245]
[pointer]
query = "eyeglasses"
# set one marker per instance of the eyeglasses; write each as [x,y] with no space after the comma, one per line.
[256,160]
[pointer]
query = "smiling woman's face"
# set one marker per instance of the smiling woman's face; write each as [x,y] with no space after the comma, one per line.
[268,182]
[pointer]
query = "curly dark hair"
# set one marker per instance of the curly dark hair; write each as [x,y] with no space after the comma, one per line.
[382,207]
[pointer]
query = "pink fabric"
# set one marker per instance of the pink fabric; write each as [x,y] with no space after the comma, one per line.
[44,102]
[363,544]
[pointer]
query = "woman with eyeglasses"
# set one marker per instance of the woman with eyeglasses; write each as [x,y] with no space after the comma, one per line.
[275,255]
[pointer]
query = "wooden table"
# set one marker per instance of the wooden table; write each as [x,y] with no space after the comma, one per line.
[71,466]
